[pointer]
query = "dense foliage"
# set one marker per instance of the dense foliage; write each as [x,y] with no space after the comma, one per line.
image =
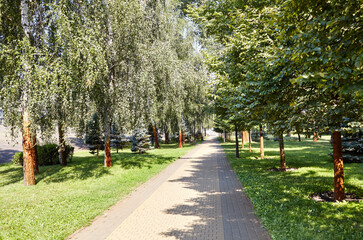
[290,65]
[135,63]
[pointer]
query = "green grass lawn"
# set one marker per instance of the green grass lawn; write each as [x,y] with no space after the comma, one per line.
[67,198]
[281,200]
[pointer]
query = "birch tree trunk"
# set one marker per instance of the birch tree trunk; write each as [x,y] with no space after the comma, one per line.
[180,138]
[195,139]
[109,90]
[107,160]
[166,136]
[28,165]
[156,136]
[62,146]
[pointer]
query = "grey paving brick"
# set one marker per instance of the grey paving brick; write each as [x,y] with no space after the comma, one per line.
[197,197]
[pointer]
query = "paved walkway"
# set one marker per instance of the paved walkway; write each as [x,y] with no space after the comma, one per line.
[196,197]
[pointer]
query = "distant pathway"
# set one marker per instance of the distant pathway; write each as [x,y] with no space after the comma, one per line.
[196,197]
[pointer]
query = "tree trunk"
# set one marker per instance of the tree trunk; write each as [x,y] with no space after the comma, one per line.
[62,146]
[224,135]
[180,138]
[249,139]
[34,153]
[166,137]
[315,136]
[201,132]
[262,149]
[282,153]
[339,192]
[205,132]
[107,160]
[195,137]
[243,141]
[236,133]
[28,152]
[28,164]
[299,137]
[156,137]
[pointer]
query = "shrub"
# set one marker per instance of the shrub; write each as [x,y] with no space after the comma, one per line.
[69,152]
[18,158]
[47,155]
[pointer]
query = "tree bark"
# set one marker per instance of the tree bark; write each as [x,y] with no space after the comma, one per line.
[166,137]
[205,132]
[282,153]
[180,138]
[339,192]
[62,146]
[156,137]
[249,139]
[299,137]
[28,164]
[201,132]
[107,160]
[194,136]
[243,140]
[236,133]
[34,153]
[224,135]
[262,149]
[28,152]
[315,136]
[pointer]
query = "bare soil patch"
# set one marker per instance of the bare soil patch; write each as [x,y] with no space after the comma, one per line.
[274,169]
[329,197]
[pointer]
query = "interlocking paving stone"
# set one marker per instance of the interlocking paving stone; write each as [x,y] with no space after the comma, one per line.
[197,197]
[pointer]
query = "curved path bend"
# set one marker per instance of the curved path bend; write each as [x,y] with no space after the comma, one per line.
[196,197]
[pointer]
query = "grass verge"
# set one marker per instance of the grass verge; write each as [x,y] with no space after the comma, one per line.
[67,198]
[281,200]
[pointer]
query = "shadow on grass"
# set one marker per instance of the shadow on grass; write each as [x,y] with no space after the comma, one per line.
[10,174]
[84,167]
[132,160]
[281,199]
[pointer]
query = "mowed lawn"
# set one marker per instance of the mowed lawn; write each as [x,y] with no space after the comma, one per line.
[281,200]
[67,198]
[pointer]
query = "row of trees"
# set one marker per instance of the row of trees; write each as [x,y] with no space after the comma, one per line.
[291,65]
[132,62]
